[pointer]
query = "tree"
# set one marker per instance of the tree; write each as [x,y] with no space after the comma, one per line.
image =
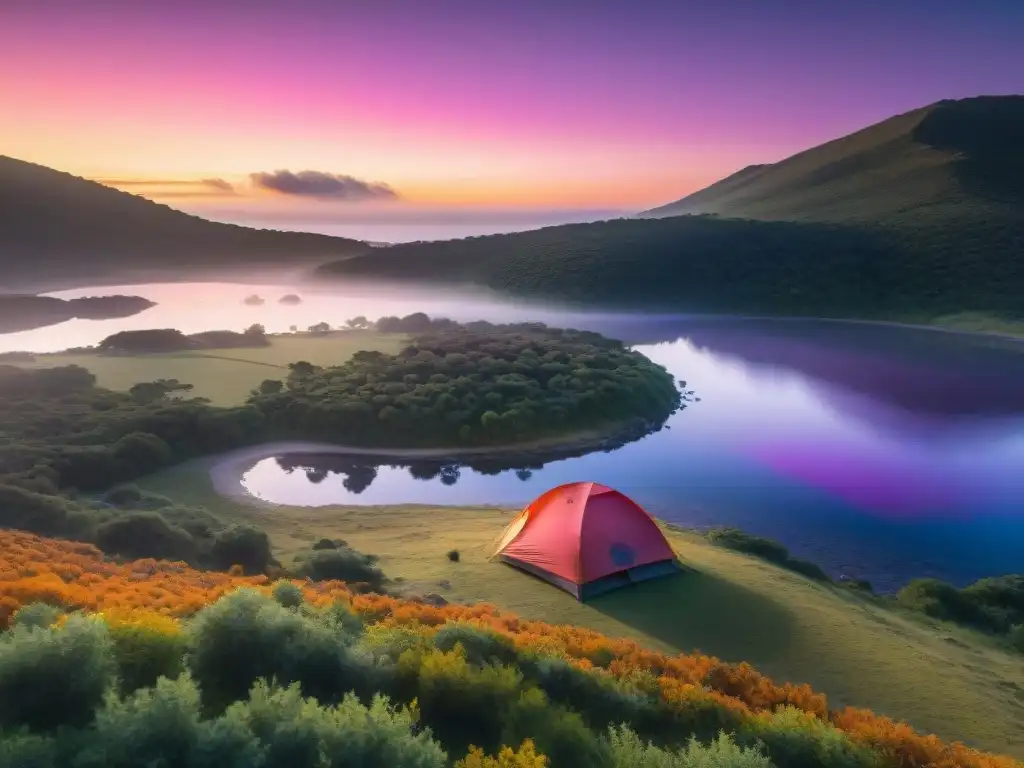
[256,329]
[270,387]
[358,323]
[320,328]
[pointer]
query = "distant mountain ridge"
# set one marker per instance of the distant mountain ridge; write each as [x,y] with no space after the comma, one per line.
[918,217]
[953,158]
[56,227]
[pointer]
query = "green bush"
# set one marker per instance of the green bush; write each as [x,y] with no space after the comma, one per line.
[246,636]
[341,564]
[1016,637]
[33,512]
[36,615]
[461,703]
[145,653]
[244,546]
[287,594]
[944,602]
[629,751]
[599,698]
[481,646]
[557,732]
[271,726]
[54,677]
[765,549]
[145,534]
[797,739]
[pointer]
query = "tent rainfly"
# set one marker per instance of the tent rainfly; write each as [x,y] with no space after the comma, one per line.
[587,539]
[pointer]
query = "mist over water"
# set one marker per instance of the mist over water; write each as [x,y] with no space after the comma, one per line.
[879,452]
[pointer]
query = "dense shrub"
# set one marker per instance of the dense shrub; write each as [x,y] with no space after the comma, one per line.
[145,534]
[54,677]
[524,757]
[271,726]
[147,646]
[795,739]
[244,546]
[340,564]
[558,732]
[287,594]
[247,636]
[479,645]
[37,616]
[765,549]
[28,511]
[628,750]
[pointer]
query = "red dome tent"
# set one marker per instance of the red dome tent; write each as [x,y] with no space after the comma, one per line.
[587,539]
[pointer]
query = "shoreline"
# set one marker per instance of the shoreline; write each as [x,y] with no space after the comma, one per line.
[226,470]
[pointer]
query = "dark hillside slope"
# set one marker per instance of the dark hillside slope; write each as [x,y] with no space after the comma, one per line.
[55,225]
[959,159]
[700,263]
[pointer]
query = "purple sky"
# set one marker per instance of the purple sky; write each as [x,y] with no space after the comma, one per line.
[581,104]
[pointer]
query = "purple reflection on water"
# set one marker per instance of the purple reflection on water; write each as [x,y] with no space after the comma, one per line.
[888,483]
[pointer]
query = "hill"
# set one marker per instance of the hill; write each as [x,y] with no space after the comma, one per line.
[56,228]
[915,218]
[732,606]
[961,159]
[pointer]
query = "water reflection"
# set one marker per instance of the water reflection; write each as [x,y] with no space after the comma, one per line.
[881,453]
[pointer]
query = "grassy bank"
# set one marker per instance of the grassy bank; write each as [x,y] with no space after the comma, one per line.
[941,679]
[227,376]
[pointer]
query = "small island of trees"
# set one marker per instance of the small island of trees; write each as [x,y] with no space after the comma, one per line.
[474,384]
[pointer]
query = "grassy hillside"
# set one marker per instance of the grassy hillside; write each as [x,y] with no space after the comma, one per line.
[227,376]
[56,228]
[939,678]
[915,218]
[959,159]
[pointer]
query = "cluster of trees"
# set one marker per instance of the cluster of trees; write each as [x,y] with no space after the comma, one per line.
[378,681]
[994,605]
[172,340]
[473,384]
[704,263]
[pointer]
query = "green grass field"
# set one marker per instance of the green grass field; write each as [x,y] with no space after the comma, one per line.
[939,678]
[226,376]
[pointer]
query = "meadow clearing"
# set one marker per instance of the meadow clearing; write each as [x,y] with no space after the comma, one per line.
[227,376]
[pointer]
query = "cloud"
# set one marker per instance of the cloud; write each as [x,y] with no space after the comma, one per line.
[327,186]
[174,187]
[218,184]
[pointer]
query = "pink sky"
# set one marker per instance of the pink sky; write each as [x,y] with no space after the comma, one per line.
[555,104]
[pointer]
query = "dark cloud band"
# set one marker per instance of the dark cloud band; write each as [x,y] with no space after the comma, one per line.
[328,186]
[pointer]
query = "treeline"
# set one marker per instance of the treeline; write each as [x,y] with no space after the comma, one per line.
[710,264]
[193,690]
[172,340]
[474,384]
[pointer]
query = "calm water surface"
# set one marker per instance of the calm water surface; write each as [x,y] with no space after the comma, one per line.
[880,452]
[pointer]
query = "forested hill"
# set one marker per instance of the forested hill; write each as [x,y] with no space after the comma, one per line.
[954,159]
[701,263]
[57,226]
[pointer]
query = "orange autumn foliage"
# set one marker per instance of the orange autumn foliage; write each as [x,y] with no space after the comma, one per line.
[78,576]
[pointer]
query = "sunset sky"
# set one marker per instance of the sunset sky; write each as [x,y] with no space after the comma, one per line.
[416,106]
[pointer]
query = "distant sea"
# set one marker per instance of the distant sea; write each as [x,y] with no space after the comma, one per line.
[440,228]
